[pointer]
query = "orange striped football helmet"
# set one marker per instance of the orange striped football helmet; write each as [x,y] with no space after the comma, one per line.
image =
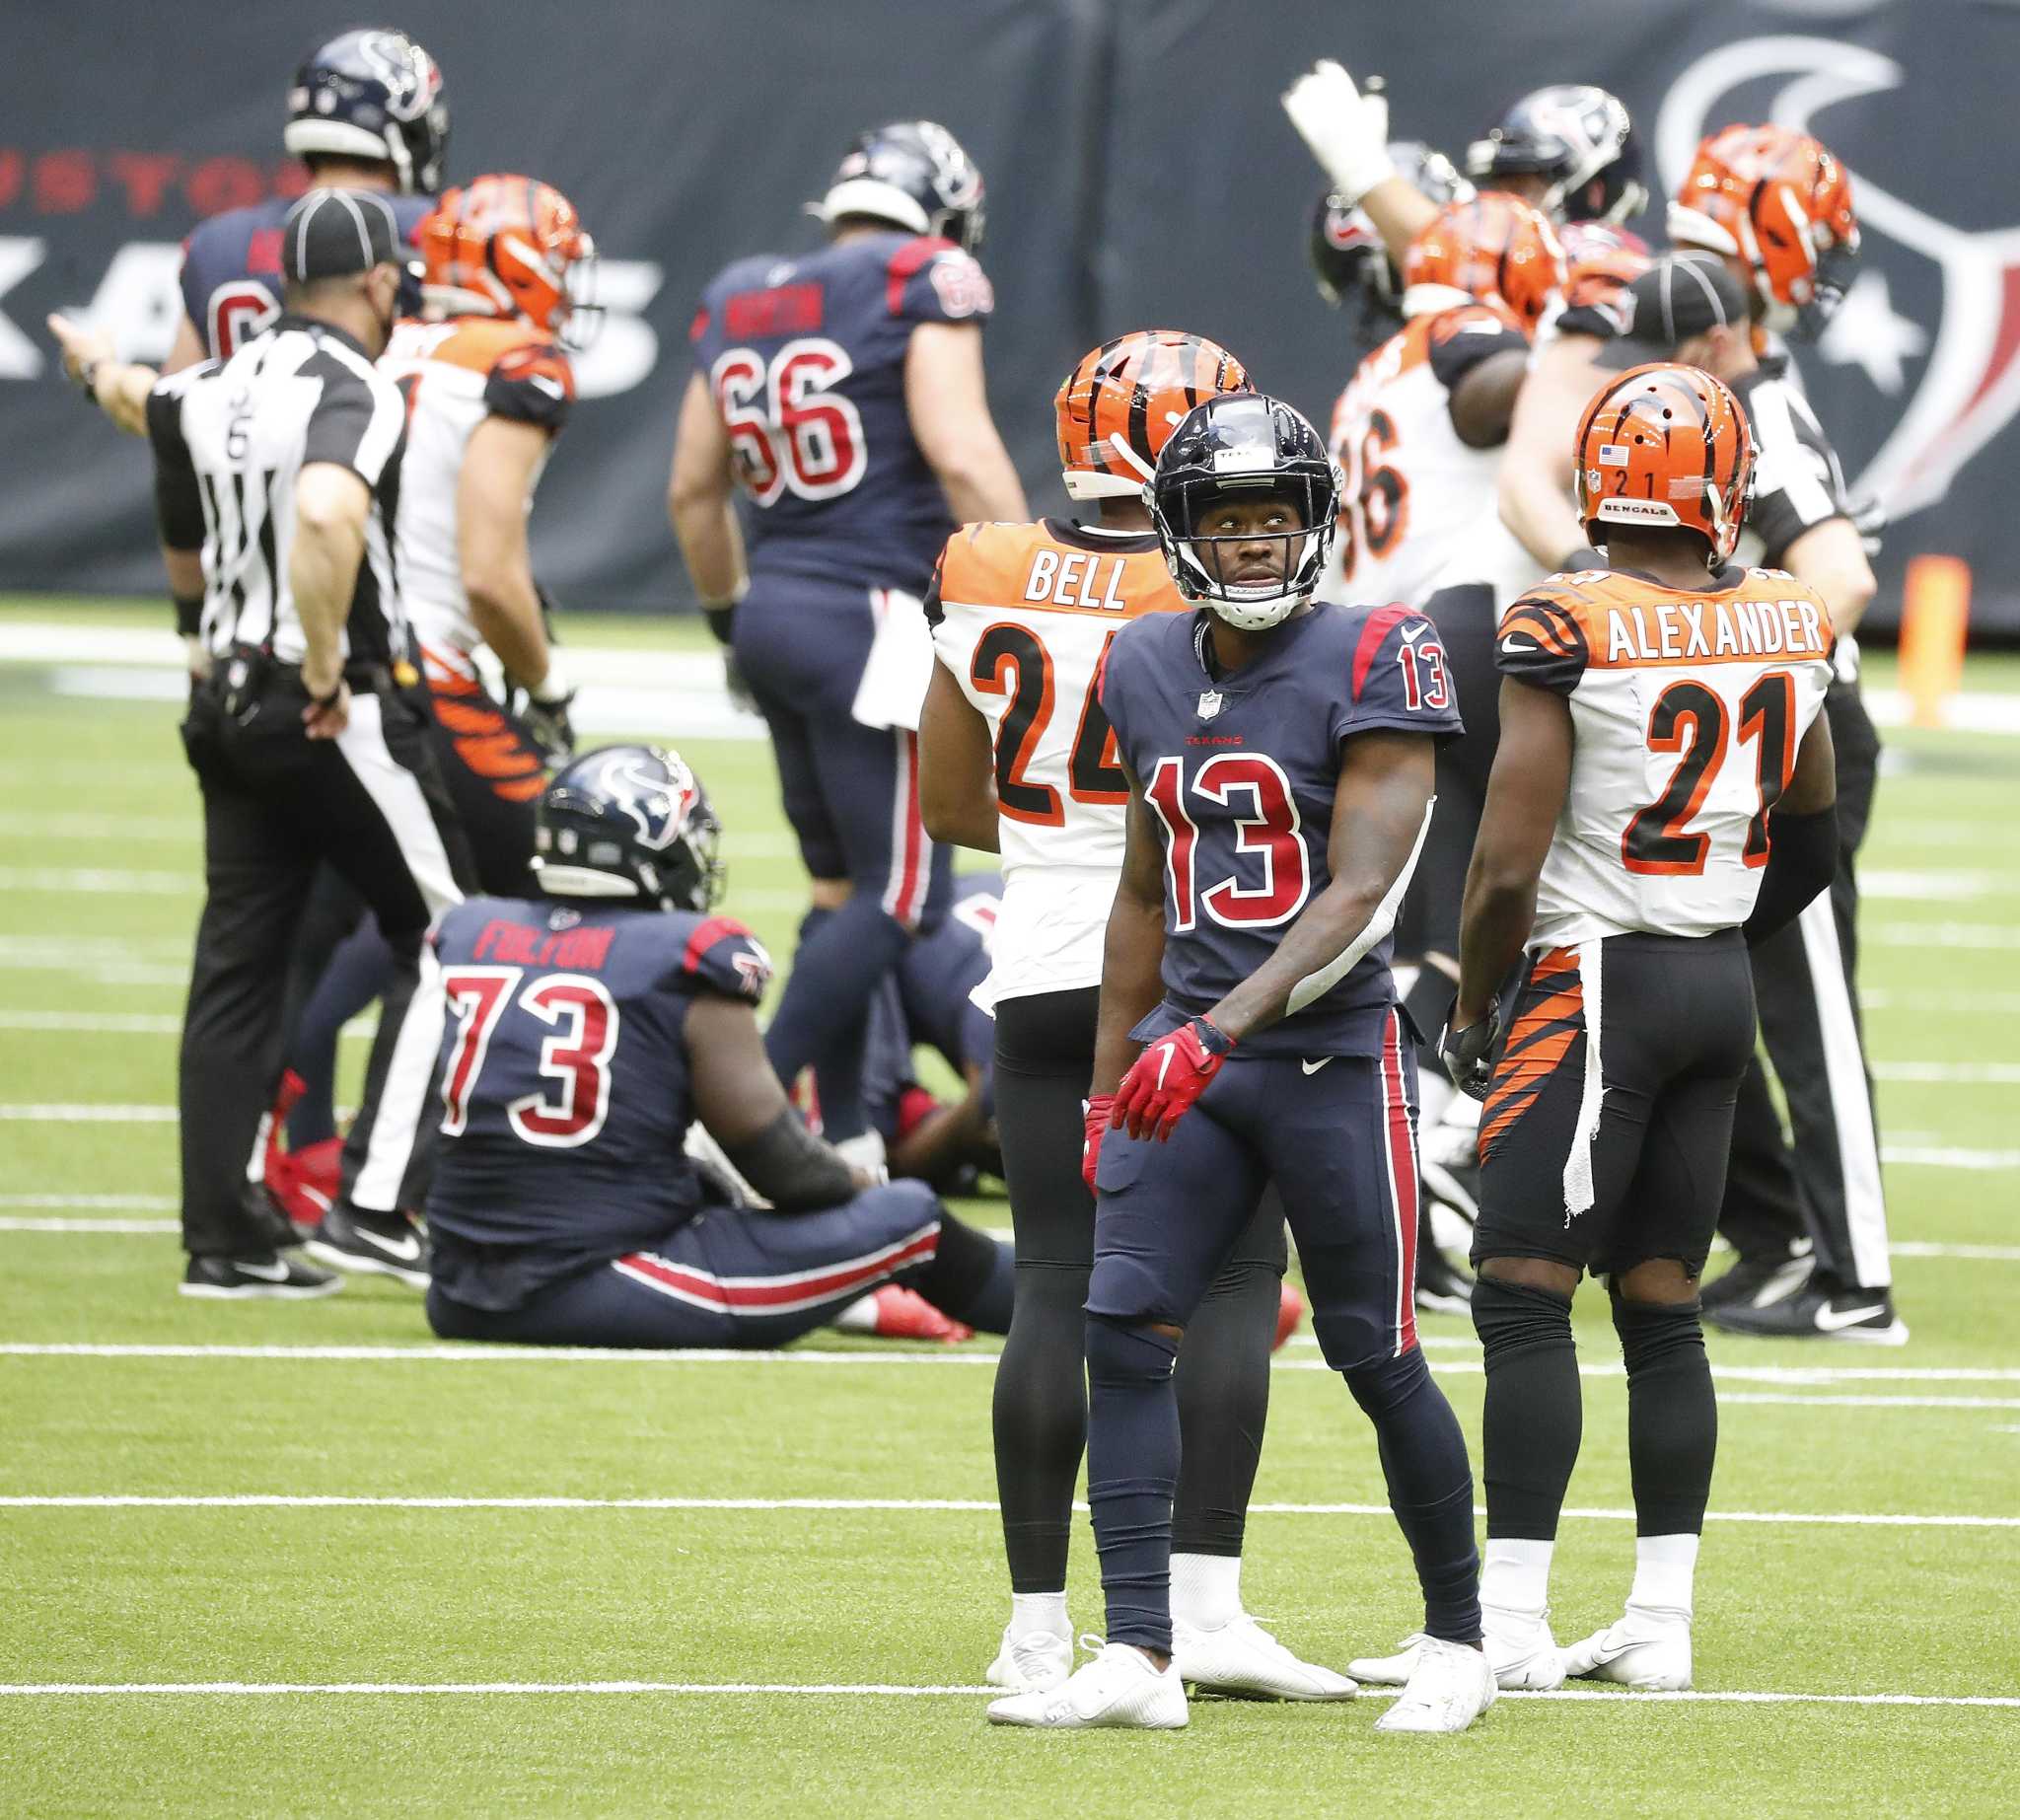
[1778,202]
[1665,445]
[1496,250]
[508,245]
[1119,406]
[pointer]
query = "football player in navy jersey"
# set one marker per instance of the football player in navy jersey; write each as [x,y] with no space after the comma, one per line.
[592,1025]
[841,395]
[1281,763]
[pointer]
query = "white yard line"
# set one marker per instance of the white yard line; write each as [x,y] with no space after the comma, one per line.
[1933,935]
[1974,1074]
[137,1202]
[104,881]
[15,1222]
[262,1500]
[60,1689]
[1989,1004]
[132,1023]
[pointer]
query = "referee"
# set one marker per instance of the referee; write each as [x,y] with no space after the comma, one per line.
[276,478]
[1809,1220]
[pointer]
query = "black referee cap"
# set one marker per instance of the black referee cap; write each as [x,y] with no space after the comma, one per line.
[1681,296]
[333,233]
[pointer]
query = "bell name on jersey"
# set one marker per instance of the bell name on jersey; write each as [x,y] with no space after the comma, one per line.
[1021,615]
[1688,708]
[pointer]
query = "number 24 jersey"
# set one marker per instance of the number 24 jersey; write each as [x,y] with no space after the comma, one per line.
[1239,774]
[1687,710]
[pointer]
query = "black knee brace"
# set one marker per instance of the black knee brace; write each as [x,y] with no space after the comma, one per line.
[1653,1334]
[1512,1317]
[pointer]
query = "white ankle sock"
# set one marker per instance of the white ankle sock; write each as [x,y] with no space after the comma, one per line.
[1665,1567]
[1206,1590]
[1032,1612]
[1516,1576]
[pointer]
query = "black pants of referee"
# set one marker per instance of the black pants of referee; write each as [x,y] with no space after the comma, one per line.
[1822,1181]
[277,805]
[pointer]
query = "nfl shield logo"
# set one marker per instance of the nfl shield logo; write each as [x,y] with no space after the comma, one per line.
[1209,703]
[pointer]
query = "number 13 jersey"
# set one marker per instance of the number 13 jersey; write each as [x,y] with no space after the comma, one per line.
[1687,709]
[1021,615]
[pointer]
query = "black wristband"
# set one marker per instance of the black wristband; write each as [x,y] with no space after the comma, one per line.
[323,703]
[189,615]
[722,622]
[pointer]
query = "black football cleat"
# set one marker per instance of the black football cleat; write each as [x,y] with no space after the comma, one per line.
[269,1275]
[1758,1282]
[388,1245]
[1864,1316]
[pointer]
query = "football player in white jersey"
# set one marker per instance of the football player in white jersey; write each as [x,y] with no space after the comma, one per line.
[1016,757]
[1662,797]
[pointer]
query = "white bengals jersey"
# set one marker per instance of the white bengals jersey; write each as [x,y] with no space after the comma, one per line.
[1022,615]
[1688,709]
[1417,512]
[455,375]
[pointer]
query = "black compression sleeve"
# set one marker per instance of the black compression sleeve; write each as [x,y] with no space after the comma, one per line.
[1801,864]
[792,1168]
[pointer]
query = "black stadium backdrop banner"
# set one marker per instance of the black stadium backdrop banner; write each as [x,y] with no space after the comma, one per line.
[1140,173]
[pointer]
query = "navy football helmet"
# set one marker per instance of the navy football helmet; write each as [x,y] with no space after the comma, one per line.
[914,175]
[1351,265]
[374,94]
[1578,136]
[1243,443]
[628,821]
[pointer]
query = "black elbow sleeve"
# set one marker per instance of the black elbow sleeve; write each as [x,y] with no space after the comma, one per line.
[792,1168]
[1800,864]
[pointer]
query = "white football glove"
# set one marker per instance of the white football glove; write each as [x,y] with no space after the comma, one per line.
[1346,131]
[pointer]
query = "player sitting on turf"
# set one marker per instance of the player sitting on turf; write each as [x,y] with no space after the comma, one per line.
[1279,757]
[592,1024]
[1662,797]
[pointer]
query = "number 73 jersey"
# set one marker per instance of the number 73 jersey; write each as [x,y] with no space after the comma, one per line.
[1687,709]
[1020,616]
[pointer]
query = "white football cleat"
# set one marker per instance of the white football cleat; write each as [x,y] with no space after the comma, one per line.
[1522,1654]
[1646,1649]
[1034,1663]
[1243,1659]
[1121,1686]
[1450,1687]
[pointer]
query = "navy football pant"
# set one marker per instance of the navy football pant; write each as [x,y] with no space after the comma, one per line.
[1339,1138]
[730,1278]
[851,796]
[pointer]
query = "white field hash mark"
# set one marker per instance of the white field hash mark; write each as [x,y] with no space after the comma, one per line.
[262,1500]
[46,1690]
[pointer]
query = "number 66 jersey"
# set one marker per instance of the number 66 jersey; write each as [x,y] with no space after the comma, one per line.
[1687,709]
[1020,616]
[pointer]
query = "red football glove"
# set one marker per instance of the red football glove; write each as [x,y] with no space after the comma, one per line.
[1165,1080]
[1098,1110]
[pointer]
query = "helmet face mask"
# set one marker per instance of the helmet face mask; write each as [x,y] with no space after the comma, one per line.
[629,823]
[1242,449]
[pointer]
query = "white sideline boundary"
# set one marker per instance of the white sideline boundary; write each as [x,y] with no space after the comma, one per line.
[264,1501]
[47,1689]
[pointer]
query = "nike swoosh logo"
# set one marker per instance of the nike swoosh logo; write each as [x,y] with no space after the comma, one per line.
[1516,644]
[1164,1063]
[406,1250]
[1413,632]
[1829,1319]
[266,1272]
[1311,1067]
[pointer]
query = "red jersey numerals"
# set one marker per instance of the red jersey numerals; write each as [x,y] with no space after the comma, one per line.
[1272,832]
[1690,719]
[576,1057]
[789,430]
[1011,660]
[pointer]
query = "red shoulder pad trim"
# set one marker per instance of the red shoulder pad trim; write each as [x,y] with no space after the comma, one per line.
[1380,624]
[906,262]
[706,936]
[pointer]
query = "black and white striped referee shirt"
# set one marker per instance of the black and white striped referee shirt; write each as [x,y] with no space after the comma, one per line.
[231,437]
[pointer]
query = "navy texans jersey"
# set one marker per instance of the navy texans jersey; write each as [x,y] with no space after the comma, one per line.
[230,269]
[566,1088]
[805,360]
[929,999]
[1239,774]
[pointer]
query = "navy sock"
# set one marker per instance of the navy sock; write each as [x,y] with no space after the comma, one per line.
[972,1277]
[1534,1410]
[357,975]
[1431,1487]
[1671,1416]
[1132,1473]
[823,1017]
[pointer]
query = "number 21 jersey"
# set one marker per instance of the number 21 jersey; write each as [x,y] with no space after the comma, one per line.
[1240,772]
[1021,615]
[1687,709]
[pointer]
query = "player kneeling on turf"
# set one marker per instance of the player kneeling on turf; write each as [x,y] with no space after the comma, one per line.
[592,1024]
[1278,755]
